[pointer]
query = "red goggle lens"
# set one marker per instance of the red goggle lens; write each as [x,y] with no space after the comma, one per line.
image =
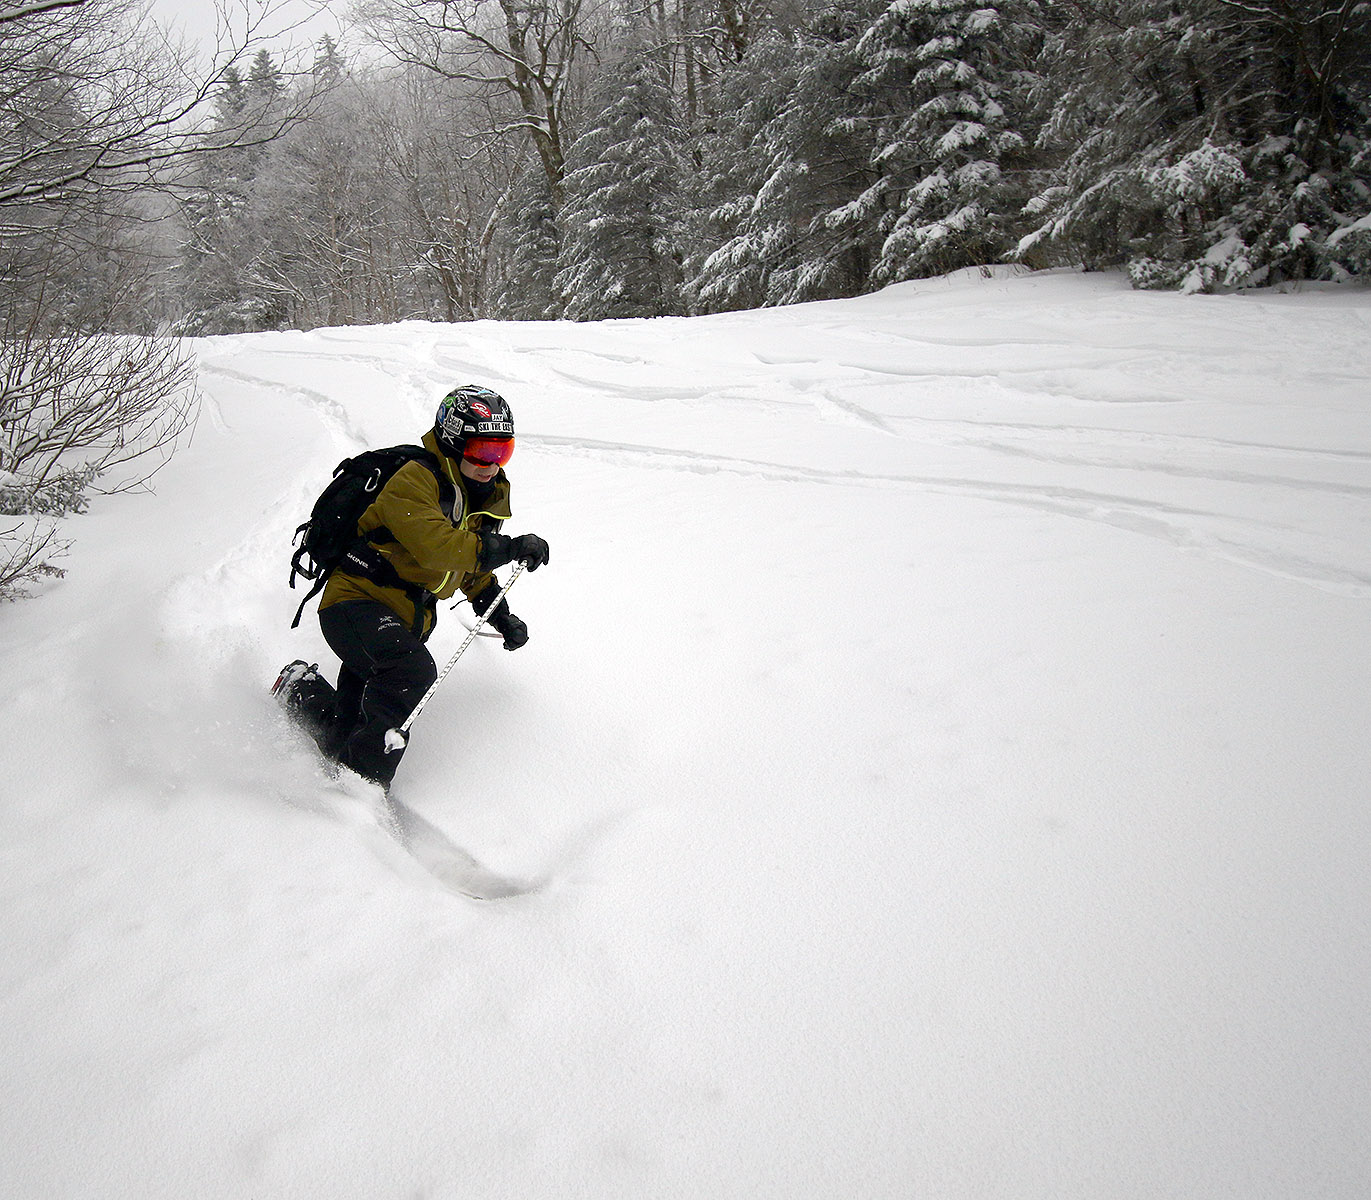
[489,452]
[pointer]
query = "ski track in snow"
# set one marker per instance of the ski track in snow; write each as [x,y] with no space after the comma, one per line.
[405,839]
[333,413]
[790,386]
[1181,526]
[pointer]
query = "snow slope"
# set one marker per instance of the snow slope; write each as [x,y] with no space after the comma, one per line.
[944,721]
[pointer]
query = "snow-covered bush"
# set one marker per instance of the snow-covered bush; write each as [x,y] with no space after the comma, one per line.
[1350,247]
[63,492]
[1154,274]
[26,553]
[75,408]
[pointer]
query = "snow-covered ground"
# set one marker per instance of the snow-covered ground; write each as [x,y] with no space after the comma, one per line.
[944,723]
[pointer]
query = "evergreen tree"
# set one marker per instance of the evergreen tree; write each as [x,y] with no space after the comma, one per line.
[1118,108]
[532,250]
[826,147]
[1206,144]
[265,84]
[231,100]
[725,267]
[1294,109]
[221,236]
[821,147]
[329,67]
[944,199]
[812,157]
[331,254]
[621,221]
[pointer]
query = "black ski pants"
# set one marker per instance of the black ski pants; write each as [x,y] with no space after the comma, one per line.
[386,671]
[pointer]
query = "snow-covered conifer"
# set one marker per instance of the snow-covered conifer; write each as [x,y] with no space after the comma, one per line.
[725,268]
[1205,145]
[265,83]
[531,249]
[814,154]
[946,196]
[621,219]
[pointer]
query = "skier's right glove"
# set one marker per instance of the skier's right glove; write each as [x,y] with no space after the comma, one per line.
[497,550]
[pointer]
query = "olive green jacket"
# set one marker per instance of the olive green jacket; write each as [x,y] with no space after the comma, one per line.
[434,547]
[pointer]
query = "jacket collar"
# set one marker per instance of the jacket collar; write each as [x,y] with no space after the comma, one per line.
[498,504]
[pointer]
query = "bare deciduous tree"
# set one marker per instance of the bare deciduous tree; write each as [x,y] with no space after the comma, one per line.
[74,409]
[75,406]
[97,111]
[523,50]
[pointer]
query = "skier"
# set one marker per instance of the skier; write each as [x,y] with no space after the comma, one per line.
[425,536]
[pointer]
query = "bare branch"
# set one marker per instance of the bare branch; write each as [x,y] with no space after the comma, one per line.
[525,51]
[19,12]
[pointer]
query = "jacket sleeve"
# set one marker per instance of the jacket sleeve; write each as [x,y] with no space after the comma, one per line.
[409,507]
[476,584]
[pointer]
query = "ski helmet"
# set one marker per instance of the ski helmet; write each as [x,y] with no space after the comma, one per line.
[472,413]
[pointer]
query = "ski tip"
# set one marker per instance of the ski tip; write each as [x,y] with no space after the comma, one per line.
[494,888]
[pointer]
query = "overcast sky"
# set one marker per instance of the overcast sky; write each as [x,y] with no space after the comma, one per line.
[199,20]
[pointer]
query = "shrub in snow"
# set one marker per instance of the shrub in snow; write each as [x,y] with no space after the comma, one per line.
[60,494]
[74,408]
[1154,274]
[26,553]
[1350,247]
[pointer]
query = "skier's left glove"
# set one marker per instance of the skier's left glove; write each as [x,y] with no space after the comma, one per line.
[504,622]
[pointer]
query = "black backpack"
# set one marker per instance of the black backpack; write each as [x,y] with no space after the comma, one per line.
[330,535]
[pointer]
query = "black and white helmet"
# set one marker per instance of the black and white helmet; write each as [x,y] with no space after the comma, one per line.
[472,412]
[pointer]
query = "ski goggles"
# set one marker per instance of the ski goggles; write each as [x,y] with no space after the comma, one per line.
[488,451]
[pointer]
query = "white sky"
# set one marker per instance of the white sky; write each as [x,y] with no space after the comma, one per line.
[288,23]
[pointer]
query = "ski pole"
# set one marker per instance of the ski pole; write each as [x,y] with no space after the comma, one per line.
[396,739]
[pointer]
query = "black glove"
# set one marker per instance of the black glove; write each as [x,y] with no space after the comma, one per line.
[504,622]
[514,631]
[497,550]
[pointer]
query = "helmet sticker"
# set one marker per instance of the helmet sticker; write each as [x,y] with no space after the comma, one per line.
[473,411]
[451,416]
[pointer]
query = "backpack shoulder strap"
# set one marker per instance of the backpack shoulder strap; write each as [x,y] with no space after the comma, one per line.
[421,454]
[426,456]
[446,492]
